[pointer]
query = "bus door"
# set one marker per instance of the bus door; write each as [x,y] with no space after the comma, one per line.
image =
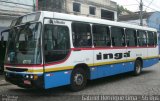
[3,42]
[56,41]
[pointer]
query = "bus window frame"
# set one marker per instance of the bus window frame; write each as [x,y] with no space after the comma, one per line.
[2,37]
[109,28]
[148,39]
[138,37]
[18,21]
[123,46]
[136,42]
[91,34]
[155,43]
[43,40]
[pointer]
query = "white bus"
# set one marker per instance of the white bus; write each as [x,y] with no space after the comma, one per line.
[49,49]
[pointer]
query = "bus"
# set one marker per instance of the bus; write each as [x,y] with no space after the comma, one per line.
[50,49]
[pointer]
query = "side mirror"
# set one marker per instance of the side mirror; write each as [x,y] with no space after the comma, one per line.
[2,37]
[2,41]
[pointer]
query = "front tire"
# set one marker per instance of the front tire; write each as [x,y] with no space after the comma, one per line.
[78,79]
[137,68]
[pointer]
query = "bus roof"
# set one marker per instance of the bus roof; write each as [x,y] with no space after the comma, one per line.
[70,17]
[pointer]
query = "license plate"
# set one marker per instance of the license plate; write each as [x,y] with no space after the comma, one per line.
[27,82]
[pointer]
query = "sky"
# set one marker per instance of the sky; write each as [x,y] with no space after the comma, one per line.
[133,5]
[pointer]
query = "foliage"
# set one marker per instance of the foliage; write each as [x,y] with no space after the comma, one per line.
[121,10]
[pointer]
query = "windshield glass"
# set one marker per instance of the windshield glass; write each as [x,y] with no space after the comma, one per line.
[24,44]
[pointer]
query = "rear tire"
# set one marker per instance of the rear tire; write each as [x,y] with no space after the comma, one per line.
[78,79]
[137,68]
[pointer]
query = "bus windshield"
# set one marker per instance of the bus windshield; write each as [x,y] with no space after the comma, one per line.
[24,44]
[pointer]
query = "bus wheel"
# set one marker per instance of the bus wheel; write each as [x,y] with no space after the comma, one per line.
[137,67]
[78,79]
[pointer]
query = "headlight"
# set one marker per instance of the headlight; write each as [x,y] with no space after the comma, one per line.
[31,76]
[27,76]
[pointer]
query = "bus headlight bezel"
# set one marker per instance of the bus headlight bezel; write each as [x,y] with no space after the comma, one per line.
[31,76]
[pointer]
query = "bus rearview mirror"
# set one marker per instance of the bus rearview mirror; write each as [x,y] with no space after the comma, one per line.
[2,41]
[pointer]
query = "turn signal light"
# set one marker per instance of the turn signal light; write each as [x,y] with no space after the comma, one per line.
[35,77]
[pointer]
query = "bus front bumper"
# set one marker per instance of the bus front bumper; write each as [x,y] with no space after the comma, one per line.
[21,80]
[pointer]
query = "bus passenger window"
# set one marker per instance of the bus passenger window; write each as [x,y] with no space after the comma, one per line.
[118,36]
[56,43]
[142,38]
[155,39]
[81,35]
[131,37]
[150,38]
[101,35]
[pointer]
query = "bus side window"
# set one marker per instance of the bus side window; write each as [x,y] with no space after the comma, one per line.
[155,39]
[81,34]
[150,38]
[101,35]
[118,36]
[56,43]
[131,37]
[48,39]
[142,38]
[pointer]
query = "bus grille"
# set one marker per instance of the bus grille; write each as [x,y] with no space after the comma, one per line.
[16,69]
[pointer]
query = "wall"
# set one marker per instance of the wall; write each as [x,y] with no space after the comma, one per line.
[136,22]
[67,7]
[102,2]
[16,6]
[10,9]
[99,4]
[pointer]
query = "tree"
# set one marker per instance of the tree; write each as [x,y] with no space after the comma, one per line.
[121,10]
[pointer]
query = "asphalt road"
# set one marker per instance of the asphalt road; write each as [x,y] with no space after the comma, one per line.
[148,83]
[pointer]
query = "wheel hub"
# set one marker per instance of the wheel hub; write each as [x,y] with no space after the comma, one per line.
[78,79]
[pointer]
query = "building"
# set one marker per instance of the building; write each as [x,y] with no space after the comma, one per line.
[150,19]
[154,21]
[104,9]
[10,9]
[134,18]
